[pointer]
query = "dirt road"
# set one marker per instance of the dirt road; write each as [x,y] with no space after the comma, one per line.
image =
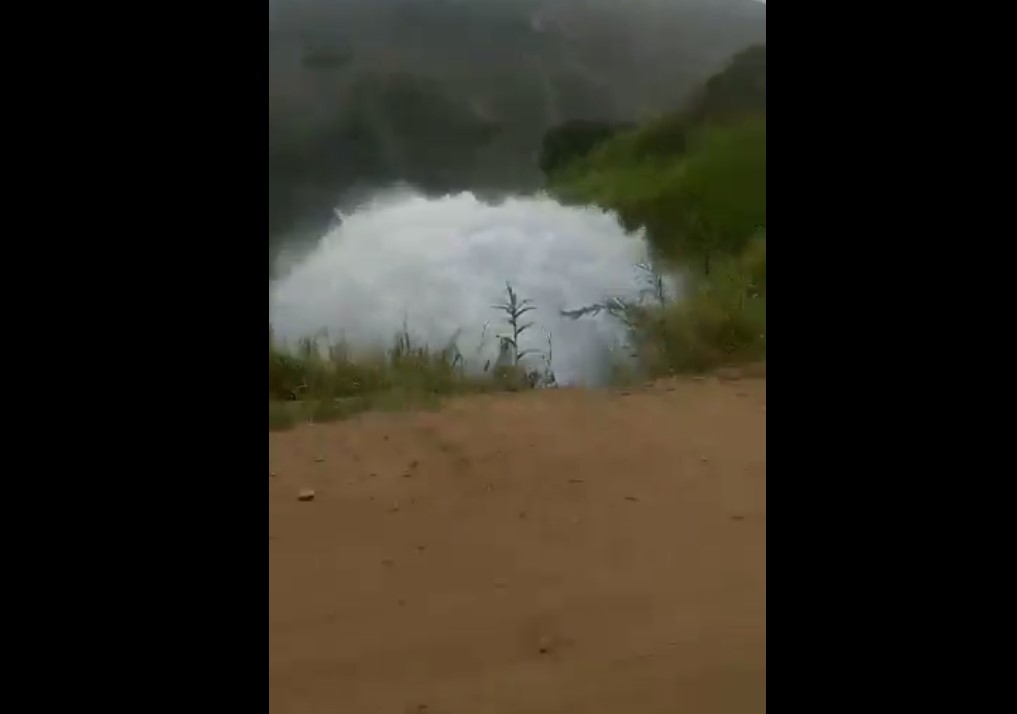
[561,551]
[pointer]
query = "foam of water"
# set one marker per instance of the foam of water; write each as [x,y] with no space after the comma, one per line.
[439,264]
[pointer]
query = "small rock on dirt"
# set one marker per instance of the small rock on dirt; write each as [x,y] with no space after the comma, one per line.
[305,495]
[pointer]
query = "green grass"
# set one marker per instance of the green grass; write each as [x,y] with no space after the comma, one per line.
[699,192]
[311,384]
[720,322]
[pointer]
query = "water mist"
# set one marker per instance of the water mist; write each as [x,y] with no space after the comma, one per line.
[438,265]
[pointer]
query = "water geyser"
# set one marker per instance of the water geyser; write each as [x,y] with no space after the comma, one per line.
[438,265]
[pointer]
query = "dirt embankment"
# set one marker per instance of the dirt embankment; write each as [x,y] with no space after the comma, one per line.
[561,551]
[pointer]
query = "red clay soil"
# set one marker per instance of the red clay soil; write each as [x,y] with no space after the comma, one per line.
[560,551]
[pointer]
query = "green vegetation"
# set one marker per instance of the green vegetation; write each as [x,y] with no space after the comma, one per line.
[696,182]
[312,384]
[317,383]
[706,202]
[572,140]
[721,320]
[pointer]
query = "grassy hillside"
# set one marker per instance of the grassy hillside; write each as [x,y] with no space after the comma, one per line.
[695,181]
[704,212]
[700,191]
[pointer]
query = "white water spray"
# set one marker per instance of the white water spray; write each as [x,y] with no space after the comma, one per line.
[439,265]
